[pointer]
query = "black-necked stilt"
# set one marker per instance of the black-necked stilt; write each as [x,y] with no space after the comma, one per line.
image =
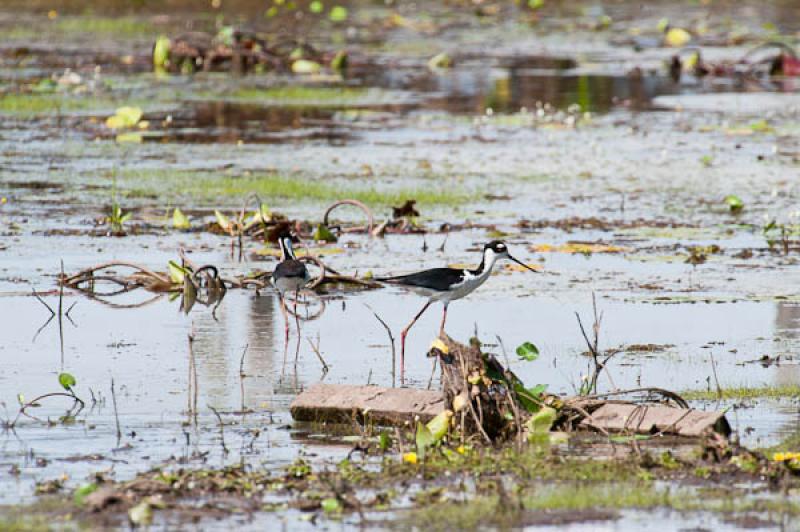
[290,275]
[449,284]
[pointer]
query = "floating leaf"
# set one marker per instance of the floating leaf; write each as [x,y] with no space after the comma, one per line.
[677,37]
[424,439]
[628,439]
[67,381]
[323,234]
[338,14]
[441,60]
[331,505]
[586,248]
[132,138]
[734,202]
[528,352]
[124,117]
[180,220]
[304,66]
[141,514]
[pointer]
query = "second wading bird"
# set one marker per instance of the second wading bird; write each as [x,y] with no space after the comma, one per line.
[449,284]
[290,275]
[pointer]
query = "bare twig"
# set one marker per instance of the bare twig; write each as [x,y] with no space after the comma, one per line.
[391,340]
[221,430]
[315,348]
[116,413]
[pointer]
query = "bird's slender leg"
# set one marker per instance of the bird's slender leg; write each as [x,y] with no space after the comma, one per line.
[403,339]
[444,319]
[285,313]
[296,317]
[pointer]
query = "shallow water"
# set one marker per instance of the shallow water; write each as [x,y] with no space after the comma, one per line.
[652,160]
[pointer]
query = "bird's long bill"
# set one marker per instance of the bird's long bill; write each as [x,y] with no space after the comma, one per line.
[523,264]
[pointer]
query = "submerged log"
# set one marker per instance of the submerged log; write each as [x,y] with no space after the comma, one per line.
[653,419]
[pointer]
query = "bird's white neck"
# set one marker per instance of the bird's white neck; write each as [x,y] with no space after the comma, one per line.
[487,263]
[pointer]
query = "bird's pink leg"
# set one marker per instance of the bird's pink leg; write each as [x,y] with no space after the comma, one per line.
[444,319]
[403,340]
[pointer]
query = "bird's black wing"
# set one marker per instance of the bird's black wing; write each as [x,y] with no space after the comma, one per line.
[440,279]
[288,269]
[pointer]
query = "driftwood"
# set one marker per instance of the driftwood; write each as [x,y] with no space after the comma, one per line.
[490,402]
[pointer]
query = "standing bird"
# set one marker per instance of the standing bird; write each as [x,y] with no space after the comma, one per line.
[448,284]
[290,275]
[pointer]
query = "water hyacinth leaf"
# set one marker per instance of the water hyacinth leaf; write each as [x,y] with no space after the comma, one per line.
[304,66]
[338,14]
[67,381]
[223,221]
[439,425]
[323,234]
[528,352]
[542,421]
[79,497]
[423,439]
[180,220]
[734,202]
[331,505]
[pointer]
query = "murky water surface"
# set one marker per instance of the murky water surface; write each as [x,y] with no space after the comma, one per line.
[549,145]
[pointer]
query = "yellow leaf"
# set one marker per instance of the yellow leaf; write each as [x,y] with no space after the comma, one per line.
[180,220]
[410,458]
[677,37]
[304,66]
[438,344]
[578,247]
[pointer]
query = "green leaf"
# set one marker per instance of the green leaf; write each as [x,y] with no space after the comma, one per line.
[441,60]
[385,441]
[223,221]
[628,439]
[339,61]
[331,505]
[316,6]
[323,234]
[79,497]
[424,439]
[67,381]
[542,420]
[125,117]
[528,352]
[161,53]
[20,399]
[439,425]
[338,14]
[734,202]
[131,136]
[180,220]
[177,272]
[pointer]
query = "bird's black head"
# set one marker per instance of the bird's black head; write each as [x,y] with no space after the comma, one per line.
[285,243]
[498,246]
[497,249]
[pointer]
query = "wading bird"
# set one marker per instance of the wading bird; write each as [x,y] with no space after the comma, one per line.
[449,284]
[290,275]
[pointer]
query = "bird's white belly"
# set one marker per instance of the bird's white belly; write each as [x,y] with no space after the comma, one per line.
[461,290]
[290,284]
